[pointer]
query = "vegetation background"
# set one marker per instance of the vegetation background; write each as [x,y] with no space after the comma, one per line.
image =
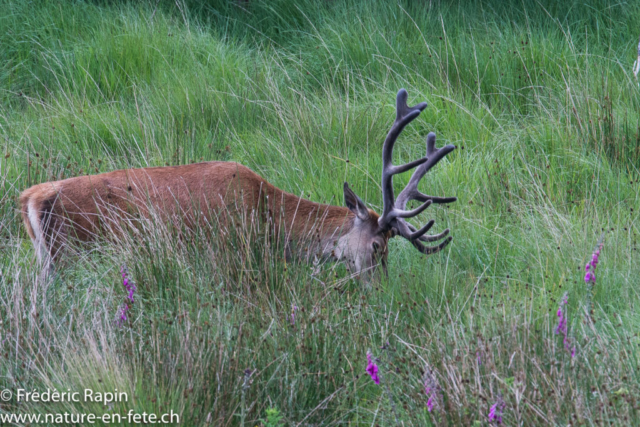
[540,100]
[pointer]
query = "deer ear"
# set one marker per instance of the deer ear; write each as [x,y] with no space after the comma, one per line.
[354,203]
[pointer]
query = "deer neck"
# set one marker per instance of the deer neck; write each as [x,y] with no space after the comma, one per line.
[318,229]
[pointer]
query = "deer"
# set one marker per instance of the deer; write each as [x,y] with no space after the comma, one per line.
[352,234]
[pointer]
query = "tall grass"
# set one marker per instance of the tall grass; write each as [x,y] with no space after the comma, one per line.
[538,98]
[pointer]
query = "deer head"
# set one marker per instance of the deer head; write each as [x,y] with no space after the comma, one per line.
[364,247]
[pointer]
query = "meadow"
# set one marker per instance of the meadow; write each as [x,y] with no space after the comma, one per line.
[539,98]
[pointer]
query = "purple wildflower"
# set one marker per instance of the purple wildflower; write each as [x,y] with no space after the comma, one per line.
[294,308]
[562,325]
[492,414]
[128,285]
[431,389]
[495,412]
[590,268]
[122,316]
[562,320]
[372,369]
[131,288]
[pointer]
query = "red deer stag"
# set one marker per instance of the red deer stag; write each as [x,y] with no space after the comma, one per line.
[358,236]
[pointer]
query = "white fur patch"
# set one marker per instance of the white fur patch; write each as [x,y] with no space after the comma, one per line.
[39,242]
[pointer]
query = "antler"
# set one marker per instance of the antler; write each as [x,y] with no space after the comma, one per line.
[394,213]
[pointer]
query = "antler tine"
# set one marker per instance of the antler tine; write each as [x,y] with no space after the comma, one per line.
[404,116]
[407,230]
[410,192]
[419,234]
[432,249]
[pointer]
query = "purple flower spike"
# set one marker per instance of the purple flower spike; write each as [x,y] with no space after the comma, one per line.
[590,268]
[493,416]
[131,288]
[372,369]
[294,308]
[430,403]
[128,285]
[562,326]
[122,316]
[492,412]
[495,412]
[562,322]
[431,388]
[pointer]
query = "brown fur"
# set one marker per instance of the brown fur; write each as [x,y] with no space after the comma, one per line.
[80,206]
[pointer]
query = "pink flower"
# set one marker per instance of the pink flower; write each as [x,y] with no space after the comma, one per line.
[372,369]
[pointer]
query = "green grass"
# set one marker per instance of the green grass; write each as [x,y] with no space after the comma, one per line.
[542,104]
